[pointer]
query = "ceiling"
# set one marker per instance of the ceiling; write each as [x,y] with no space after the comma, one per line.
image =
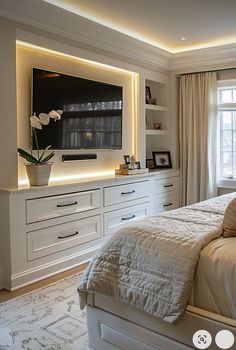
[162,23]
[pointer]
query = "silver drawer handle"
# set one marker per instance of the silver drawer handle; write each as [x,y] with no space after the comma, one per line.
[129,218]
[167,205]
[70,235]
[169,185]
[128,192]
[66,205]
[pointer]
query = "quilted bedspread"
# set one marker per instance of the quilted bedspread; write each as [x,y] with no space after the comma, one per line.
[151,264]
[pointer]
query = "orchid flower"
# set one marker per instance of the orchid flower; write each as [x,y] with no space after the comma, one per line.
[44,118]
[37,123]
[56,115]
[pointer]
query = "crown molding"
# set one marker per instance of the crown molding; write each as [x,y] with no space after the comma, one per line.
[93,36]
[211,58]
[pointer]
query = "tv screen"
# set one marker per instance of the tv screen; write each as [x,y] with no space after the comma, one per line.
[92,111]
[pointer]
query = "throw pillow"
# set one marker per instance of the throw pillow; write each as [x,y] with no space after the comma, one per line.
[229,223]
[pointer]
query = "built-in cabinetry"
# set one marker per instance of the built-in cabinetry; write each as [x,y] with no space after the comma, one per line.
[49,229]
[155,114]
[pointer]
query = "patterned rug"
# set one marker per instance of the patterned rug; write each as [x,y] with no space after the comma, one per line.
[48,318]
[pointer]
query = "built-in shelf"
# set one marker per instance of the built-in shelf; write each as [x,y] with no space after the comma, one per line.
[156,107]
[156,114]
[156,132]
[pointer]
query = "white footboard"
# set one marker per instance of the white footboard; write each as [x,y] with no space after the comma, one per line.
[109,332]
[113,325]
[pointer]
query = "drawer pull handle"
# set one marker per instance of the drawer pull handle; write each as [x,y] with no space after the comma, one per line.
[169,185]
[66,205]
[129,192]
[70,235]
[167,205]
[129,218]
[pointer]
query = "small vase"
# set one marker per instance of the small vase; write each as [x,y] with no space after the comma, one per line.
[38,174]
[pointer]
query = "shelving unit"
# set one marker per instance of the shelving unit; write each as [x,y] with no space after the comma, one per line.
[155,126]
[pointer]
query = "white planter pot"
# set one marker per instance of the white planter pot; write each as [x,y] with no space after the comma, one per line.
[38,174]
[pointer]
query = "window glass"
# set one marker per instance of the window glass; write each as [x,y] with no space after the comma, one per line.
[227,131]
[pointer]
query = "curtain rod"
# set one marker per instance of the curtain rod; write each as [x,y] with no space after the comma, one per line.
[208,71]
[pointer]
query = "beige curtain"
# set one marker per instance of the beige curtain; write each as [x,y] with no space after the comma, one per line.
[198,130]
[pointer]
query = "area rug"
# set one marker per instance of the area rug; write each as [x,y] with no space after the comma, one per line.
[48,318]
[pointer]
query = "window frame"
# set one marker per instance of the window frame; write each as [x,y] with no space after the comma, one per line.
[227,182]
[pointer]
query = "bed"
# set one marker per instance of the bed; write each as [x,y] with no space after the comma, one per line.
[183,252]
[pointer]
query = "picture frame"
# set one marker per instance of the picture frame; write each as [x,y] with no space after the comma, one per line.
[150,163]
[162,159]
[127,159]
[148,95]
[157,126]
[137,165]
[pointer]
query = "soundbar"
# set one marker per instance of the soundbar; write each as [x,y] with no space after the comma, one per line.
[85,156]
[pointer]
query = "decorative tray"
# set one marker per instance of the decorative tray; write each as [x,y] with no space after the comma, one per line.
[131,172]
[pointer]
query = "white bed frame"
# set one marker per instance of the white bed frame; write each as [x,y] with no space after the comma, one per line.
[113,325]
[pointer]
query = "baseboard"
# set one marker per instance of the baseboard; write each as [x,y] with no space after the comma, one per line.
[30,276]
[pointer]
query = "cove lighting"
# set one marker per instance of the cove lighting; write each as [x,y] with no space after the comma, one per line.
[24,44]
[64,178]
[108,24]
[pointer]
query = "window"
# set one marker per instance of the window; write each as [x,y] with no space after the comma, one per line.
[227,130]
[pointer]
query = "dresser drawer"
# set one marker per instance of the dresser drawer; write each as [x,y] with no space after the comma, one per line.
[124,193]
[60,237]
[169,185]
[116,219]
[167,202]
[45,208]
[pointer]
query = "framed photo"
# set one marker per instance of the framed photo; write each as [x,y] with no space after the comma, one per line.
[148,95]
[162,159]
[127,159]
[150,164]
[157,126]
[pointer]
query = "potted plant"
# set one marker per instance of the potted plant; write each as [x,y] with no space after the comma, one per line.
[38,167]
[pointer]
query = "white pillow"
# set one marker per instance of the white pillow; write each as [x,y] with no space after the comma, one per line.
[229,223]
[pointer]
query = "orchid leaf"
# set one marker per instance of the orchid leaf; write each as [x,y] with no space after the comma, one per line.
[27,156]
[42,155]
[47,158]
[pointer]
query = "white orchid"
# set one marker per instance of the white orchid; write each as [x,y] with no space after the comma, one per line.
[37,123]
[56,115]
[44,118]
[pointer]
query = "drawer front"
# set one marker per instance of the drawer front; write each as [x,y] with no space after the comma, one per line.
[169,185]
[124,193]
[40,209]
[114,220]
[165,203]
[60,237]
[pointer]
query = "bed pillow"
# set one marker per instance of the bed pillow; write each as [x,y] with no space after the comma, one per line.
[229,223]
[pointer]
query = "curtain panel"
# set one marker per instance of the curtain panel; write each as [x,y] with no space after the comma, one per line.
[198,136]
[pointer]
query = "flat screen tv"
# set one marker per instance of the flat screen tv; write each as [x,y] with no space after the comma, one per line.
[92,111]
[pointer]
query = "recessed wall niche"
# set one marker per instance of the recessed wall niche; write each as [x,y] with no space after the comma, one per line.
[107,160]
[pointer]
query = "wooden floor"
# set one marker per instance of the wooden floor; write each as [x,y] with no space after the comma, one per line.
[6,295]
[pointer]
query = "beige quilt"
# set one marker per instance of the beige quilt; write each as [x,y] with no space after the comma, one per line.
[151,264]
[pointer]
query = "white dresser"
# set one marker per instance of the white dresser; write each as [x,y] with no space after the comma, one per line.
[46,230]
